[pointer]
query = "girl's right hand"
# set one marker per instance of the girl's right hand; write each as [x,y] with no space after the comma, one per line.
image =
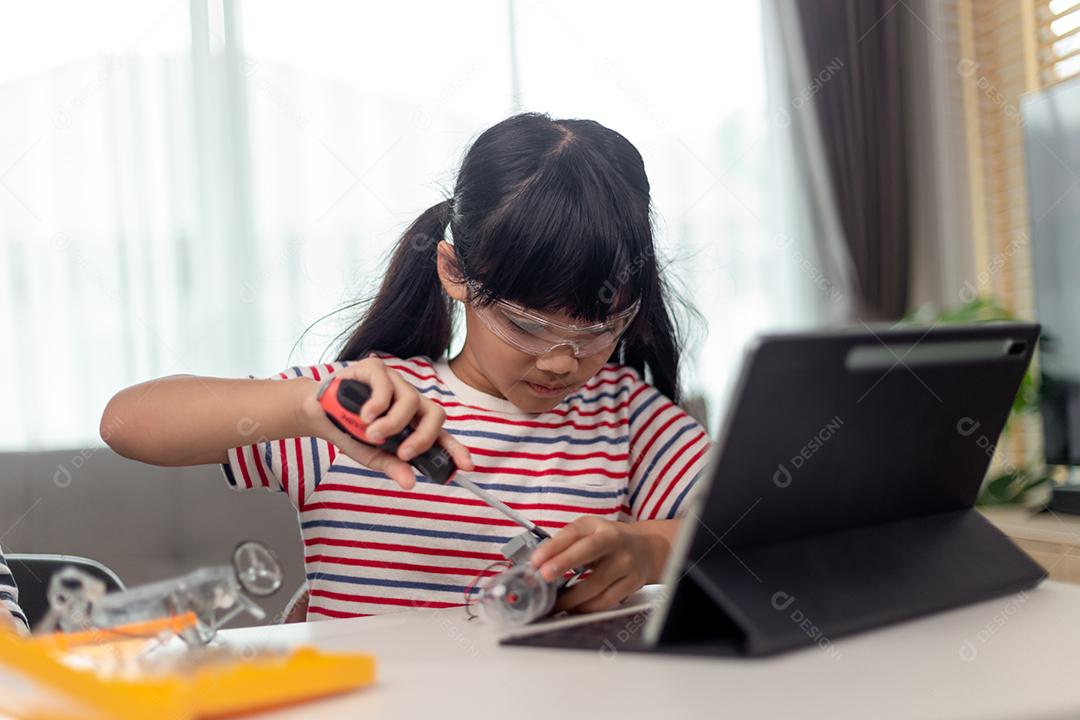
[396,404]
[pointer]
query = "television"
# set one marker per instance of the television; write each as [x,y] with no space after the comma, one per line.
[1051,124]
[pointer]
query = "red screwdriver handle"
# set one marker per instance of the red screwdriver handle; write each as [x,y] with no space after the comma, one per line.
[341,400]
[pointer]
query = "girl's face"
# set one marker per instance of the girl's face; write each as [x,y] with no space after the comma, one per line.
[489,363]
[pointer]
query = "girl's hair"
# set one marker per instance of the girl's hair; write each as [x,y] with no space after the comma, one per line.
[550,214]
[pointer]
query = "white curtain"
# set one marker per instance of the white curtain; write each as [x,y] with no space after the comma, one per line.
[187,187]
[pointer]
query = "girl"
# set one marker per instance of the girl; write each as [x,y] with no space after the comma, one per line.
[547,243]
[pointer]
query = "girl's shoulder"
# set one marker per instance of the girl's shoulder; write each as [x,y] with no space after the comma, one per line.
[421,368]
[416,369]
[619,386]
[611,376]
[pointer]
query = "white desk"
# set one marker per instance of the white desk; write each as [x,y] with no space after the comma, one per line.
[1017,657]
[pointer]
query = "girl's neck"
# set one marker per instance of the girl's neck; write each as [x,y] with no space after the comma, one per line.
[465,368]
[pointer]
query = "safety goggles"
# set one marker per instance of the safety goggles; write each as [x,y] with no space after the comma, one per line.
[536,335]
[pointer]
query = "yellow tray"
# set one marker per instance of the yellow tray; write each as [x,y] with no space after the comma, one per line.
[40,686]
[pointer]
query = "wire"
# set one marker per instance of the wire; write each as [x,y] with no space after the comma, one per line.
[485,573]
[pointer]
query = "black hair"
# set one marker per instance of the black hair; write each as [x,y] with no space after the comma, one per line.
[549,214]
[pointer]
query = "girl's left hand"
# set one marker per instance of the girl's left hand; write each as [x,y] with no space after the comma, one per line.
[620,562]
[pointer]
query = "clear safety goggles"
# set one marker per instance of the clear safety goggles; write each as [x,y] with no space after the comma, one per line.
[536,335]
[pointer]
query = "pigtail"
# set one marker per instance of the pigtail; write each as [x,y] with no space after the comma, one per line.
[652,342]
[411,314]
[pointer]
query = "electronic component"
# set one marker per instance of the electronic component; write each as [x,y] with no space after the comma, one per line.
[211,595]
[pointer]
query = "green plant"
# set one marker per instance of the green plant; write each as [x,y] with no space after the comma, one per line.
[1014,484]
[1011,488]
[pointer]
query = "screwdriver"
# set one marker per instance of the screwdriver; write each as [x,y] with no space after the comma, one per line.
[341,400]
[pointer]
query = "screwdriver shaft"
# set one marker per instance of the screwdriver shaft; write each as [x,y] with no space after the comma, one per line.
[499,505]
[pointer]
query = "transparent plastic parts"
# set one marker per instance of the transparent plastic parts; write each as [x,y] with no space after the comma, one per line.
[257,569]
[515,597]
[214,595]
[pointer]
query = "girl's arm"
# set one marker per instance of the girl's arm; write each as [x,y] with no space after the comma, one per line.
[188,420]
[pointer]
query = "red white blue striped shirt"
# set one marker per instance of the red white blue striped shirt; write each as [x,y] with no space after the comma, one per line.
[616,449]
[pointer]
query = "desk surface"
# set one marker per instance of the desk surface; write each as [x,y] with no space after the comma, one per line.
[1015,657]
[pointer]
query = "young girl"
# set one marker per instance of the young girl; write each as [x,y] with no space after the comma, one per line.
[547,243]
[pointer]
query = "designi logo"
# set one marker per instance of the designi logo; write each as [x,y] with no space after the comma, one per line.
[782,477]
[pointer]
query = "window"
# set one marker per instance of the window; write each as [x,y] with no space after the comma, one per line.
[186,188]
[1059,39]
[1002,49]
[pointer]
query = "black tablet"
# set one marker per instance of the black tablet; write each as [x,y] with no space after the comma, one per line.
[840,496]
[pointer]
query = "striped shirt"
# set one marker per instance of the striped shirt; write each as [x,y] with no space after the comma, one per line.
[9,593]
[615,449]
